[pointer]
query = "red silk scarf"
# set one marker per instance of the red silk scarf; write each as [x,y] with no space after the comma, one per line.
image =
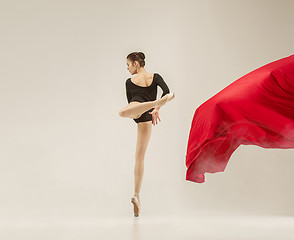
[257,109]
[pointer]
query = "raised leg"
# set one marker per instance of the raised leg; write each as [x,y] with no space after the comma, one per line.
[135,109]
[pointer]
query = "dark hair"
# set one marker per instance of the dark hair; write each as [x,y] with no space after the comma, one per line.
[137,56]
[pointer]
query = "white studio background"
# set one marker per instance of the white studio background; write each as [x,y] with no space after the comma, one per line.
[64,150]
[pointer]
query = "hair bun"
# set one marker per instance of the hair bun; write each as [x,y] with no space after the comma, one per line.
[142,55]
[137,56]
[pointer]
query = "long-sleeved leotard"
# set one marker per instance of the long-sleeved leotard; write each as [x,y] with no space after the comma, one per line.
[136,93]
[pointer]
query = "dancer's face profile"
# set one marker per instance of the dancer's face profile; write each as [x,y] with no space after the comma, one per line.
[132,66]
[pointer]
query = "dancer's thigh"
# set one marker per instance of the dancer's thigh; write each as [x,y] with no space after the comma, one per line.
[132,103]
[143,136]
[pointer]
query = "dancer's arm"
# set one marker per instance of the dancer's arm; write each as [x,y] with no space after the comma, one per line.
[129,96]
[165,90]
[162,85]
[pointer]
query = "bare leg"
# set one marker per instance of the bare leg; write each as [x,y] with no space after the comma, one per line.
[144,133]
[134,109]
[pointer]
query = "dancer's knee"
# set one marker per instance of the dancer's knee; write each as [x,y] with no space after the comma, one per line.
[140,157]
[123,113]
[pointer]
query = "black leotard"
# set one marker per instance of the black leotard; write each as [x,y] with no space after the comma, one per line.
[143,94]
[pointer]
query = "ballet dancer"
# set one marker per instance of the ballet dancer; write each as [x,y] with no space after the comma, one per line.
[143,108]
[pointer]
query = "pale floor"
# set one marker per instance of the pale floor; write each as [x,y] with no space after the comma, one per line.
[149,227]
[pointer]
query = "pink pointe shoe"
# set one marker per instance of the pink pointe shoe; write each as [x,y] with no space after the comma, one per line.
[136,202]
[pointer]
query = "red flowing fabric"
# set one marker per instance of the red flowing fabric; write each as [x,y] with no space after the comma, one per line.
[257,109]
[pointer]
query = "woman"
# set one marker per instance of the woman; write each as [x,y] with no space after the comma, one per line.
[143,107]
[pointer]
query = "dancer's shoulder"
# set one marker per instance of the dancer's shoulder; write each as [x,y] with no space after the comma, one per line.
[158,77]
[128,80]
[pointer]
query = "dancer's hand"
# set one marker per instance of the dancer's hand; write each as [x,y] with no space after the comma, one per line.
[155,115]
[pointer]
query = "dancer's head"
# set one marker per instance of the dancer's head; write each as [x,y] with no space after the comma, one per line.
[135,60]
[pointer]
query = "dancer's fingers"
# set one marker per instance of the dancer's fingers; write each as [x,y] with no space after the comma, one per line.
[153,120]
